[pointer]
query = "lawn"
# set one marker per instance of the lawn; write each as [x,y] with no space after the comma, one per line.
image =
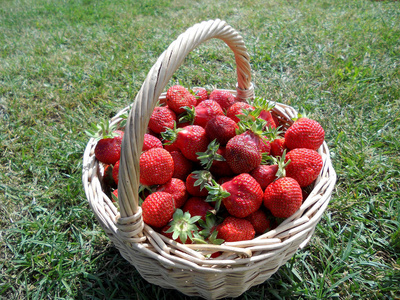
[65,64]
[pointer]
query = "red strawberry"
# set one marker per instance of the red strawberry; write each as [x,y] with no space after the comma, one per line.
[170,147]
[237,109]
[179,97]
[234,229]
[304,133]
[267,116]
[264,174]
[200,93]
[108,150]
[196,181]
[260,221]
[277,142]
[245,195]
[197,206]
[162,118]
[283,197]
[223,98]
[221,168]
[115,172]
[156,166]
[221,128]
[189,139]
[261,141]
[177,189]
[305,165]
[277,121]
[182,166]
[158,208]
[242,154]
[150,141]
[265,107]
[114,196]
[278,146]
[202,113]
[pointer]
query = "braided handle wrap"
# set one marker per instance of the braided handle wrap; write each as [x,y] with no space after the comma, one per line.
[130,221]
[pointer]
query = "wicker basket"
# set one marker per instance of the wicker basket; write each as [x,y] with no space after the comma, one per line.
[186,268]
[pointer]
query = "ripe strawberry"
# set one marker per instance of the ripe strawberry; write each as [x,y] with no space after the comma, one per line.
[304,133]
[221,128]
[234,229]
[264,174]
[189,139]
[169,146]
[237,109]
[157,209]
[221,168]
[305,165]
[277,142]
[197,206]
[196,182]
[223,98]
[260,221]
[156,166]
[200,93]
[245,195]
[254,135]
[202,113]
[182,166]
[283,197]
[114,195]
[242,154]
[150,141]
[177,189]
[108,150]
[109,139]
[115,172]
[179,97]
[278,146]
[265,107]
[162,118]
[267,116]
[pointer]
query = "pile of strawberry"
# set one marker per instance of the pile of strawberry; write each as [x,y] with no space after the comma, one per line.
[215,169]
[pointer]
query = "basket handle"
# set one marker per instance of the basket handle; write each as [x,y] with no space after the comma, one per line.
[147,97]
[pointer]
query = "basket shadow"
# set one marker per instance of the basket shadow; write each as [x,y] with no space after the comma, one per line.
[116,278]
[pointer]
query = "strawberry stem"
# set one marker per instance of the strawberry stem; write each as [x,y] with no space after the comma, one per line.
[216,193]
[207,158]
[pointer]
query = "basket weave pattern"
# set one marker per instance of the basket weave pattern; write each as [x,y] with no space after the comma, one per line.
[186,268]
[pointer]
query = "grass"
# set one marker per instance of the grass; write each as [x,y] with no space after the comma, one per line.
[64,64]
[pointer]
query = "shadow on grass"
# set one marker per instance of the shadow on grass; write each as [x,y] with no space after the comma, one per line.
[116,278]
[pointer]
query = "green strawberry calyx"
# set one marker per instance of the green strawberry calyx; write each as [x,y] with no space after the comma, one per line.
[183,226]
[209,232]
[170,135]
[103,129]
[263,104]
[273,133]
[216,193]
[188,116]
[203,177]
[210,155]
[280,161]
